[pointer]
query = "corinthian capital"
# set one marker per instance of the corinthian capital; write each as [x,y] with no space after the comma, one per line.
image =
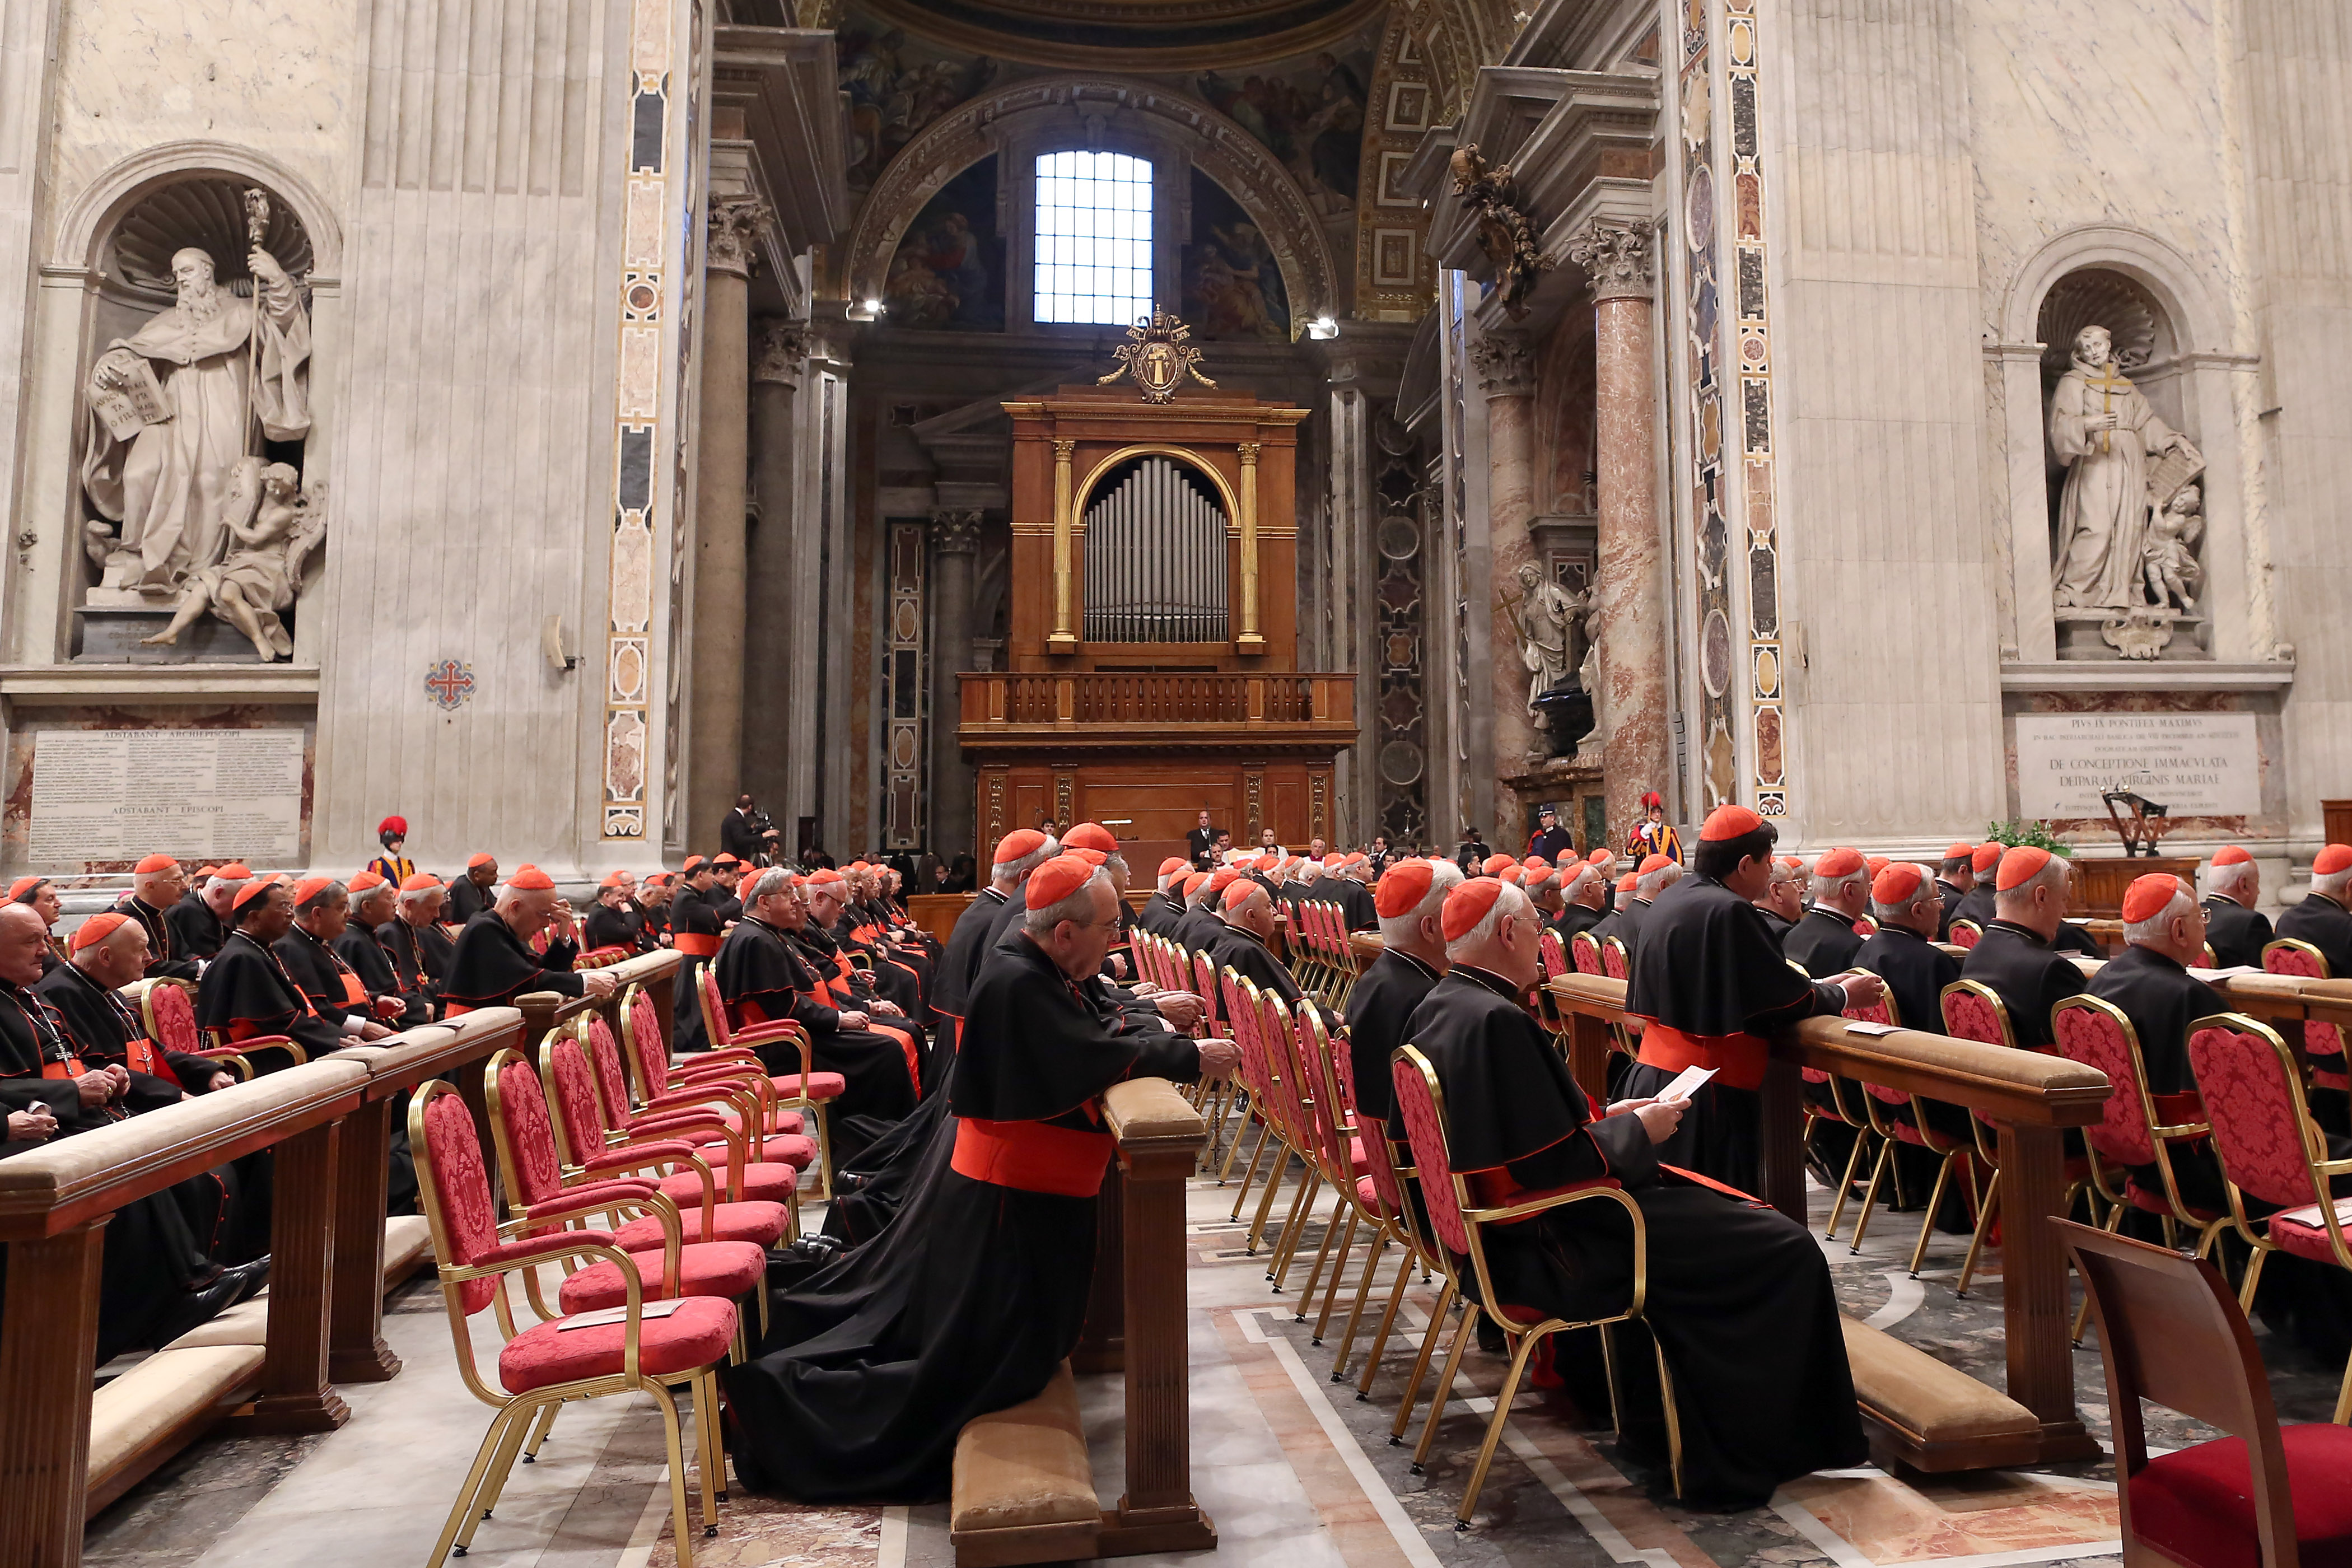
[778,350]
[1617,259]
[732,243]
[955,530]
[1506,363]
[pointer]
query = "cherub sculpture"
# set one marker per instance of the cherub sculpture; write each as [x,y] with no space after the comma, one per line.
[272,529]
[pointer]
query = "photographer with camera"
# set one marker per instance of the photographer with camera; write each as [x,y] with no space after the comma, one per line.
[748,834]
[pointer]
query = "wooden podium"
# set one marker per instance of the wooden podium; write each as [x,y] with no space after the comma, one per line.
[1185,694]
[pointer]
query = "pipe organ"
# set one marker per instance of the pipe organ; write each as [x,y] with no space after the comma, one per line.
[1151,649]
[1155,554]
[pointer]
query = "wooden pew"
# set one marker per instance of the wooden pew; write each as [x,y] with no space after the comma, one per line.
[1024,1493]
[2034,1097]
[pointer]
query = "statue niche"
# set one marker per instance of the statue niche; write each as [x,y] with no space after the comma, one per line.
[2127,515]
[196,411]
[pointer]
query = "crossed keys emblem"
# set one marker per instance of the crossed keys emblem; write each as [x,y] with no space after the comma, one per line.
[1158,356]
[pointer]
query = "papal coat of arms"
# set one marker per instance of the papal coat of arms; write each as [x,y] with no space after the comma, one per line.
[1158,356]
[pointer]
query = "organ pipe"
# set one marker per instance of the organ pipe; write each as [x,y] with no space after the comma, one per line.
[1156,563]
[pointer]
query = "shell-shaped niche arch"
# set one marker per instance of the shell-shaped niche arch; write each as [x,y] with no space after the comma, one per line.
[2101,297]
[206,211]
[1218,147]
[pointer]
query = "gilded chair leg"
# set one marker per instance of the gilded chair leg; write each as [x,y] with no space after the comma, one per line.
[1388,1324]
[1462,1337]
[461,1512]
[1332,1291]
[2253,1279]
[1519,1357]
[494,1484]
[1364,1294]
[1845,1187]
[1294,1229]
[1266,1199]
[823,1152]
[538,1430]
[1233,1144]
[1935,1203]
[1673,1415]
[1870,1193]
[709,1455]
[1249,1178]
[2344,1396]
[1429,1338]
[1323,1255]
[681,1521]
[1986,1209]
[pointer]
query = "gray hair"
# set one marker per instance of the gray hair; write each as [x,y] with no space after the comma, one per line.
[2052,876]
[773,881]
[1009,873]
[2220,879]
[2152,929]
[1657,881]
[322,897]
[1077,905]
[2333,884]
[1926,894]
[1510,903]
[1444,877]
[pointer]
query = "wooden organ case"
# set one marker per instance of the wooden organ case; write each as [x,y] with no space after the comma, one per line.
[1151,650]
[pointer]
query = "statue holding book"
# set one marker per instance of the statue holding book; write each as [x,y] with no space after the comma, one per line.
[175,407]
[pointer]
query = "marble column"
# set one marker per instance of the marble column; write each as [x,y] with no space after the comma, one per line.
[777,352]
[1636,699]
[955,539]
[715,697]
[1505,361]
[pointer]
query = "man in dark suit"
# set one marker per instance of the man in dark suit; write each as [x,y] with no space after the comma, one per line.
[1549,839]
[2232,930]
[740,836]
[1201,843]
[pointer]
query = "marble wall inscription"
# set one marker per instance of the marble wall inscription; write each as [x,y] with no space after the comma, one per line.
[2198,765]
[201,795]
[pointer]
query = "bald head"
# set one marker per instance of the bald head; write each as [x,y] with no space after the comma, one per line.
[23,935]
[116,959]
[527,910]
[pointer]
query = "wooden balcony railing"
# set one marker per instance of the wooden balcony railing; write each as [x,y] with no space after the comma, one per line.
[1118,709]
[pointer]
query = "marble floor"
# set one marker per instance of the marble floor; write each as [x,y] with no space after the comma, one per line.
[1293,1467]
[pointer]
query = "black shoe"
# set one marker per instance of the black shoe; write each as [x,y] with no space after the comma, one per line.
[847,1182]
[201,1306]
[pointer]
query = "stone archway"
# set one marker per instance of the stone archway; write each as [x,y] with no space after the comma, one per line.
[1218,147]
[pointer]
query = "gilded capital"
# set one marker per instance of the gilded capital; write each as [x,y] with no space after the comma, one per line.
[1618,259]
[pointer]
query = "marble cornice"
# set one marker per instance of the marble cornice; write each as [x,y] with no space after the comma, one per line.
[169,685]
[2155,675]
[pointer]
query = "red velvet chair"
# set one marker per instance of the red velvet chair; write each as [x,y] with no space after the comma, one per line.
[2273,1151]
[2323,1043]
[534,1178]
[542,1367]
[2169,1332]
[1966,934]
[2138,1127]
[1584,952]
[1615,960]
[1294,1100]
[1458,1221]
[755,1195]
[1251,1073]
[660,1086]
[1381,1192]
[731,1097]
[1339,1156]
[170,1016]
[1880,1105]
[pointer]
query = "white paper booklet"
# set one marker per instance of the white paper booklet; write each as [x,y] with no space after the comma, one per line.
[1687,1083]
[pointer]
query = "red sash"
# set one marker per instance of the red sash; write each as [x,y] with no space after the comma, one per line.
[695,942]
[354,992]
[455,1009]
[1738,1059]
[1032,1156]
[69,1067]
[142,1056]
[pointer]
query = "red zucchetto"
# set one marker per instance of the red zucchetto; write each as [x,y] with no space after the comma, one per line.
[2022,863]
[1466,905]
[1401,891]
[1056,879]
[1727,822]
[1014,844]
[2149,896]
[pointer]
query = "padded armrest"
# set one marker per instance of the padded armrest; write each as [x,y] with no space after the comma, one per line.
[592,1197]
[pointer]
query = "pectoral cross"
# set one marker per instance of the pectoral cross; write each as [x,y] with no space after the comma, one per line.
[2108,383]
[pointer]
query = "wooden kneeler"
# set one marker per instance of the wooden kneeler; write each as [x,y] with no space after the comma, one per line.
[1024,1490]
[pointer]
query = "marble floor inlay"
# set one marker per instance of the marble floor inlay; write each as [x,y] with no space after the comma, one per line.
[1295,1471]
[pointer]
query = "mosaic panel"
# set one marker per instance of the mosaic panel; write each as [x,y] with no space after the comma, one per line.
[1767,755]
[907,686]
[1703,374]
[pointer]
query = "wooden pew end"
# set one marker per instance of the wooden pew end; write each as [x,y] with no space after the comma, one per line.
[1024,1492]
[1930,1416]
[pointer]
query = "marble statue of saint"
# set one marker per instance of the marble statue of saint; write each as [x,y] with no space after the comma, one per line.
[271,529]
[1548,618]
[174,407]
[2103,429]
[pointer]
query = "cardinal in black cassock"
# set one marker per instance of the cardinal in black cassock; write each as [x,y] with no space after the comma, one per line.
[1201,930]
[108,1034]
[2236,933]
[2017,961]
[329,983]
[1737,1295]
[1824,941]
[762,977]
[493,965]
[1575,918]
[959,965]
[2320,918]
[872,1367]
[1163,908]
[246,993]
[1249,920]
[694,928]
[362,947]
[1977,903]
[421,953]
[2157,993]
[197,931]
[1914,969]
[1712,982]
[470,894]
[1397,981]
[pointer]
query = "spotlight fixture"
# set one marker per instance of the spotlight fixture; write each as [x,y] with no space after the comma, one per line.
[1322,327]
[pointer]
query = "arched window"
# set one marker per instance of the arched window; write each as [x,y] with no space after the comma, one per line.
[1094,238]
